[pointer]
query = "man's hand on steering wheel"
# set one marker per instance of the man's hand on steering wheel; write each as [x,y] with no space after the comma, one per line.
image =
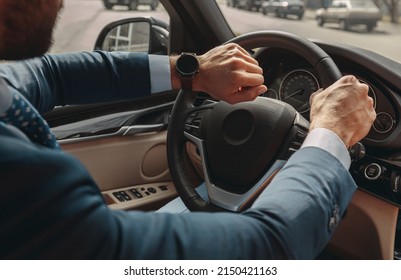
[227,73]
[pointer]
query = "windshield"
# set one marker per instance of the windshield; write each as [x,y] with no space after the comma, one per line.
[374,31]
[81,22]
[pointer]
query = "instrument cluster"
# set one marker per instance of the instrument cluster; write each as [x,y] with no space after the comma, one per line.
[291,79]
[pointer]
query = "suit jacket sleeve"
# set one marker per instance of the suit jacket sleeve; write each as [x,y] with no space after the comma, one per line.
[55,210]
[79,78]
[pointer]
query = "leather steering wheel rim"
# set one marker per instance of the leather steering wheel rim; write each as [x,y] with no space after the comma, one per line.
[178,160]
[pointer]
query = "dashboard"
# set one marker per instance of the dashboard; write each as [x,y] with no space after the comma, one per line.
[290,78]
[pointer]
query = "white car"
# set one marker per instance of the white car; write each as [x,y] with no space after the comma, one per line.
[350,12]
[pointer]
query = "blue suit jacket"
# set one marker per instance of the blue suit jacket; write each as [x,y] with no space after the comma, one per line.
[51,208]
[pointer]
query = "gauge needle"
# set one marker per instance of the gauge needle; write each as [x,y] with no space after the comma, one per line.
[380,123]
[300,91]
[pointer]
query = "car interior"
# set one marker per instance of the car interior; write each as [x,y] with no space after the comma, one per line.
[144,153]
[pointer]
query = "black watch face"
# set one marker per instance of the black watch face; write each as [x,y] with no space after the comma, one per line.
[187,65]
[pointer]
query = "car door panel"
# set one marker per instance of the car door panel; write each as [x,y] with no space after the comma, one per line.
[123,163]
[119,161]
[123,151]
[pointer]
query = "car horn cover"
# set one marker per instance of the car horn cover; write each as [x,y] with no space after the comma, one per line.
[243,139]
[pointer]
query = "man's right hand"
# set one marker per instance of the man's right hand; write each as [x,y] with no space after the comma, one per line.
[344,108]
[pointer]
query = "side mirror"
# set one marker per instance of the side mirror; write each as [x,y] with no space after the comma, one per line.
[134,35]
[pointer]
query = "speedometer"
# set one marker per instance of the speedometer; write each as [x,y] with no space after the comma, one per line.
[296,88]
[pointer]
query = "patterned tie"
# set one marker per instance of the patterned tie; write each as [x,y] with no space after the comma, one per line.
[19,112]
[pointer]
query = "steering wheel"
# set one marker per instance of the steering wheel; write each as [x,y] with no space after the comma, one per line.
[242,146]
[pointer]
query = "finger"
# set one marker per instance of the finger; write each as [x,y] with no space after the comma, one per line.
[364,88]
[248,58]
[371,109]
[245,79]
[247,94]
[348,79]
[252,68]
[241,52]
[372,115]
[371,103]
[313,95]
[234,46]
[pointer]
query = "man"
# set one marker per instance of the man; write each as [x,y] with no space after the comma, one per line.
[51,208]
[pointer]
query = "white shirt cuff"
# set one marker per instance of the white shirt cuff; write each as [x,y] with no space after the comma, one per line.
[160,76]
[327,140]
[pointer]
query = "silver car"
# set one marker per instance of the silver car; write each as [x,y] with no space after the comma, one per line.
[131,4]
[350,12]
[282,8]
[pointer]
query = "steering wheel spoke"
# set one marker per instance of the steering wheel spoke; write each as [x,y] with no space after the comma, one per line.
[238,202]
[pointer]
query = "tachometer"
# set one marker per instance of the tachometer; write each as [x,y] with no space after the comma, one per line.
[296,88]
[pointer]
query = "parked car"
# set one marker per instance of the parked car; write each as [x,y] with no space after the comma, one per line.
[282,8]
[232,3]
[131,4]
[350,12]
[249,4]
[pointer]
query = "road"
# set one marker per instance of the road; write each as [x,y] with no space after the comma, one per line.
[385,39]
[82,20]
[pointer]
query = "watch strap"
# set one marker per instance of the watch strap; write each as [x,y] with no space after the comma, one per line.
[186,83]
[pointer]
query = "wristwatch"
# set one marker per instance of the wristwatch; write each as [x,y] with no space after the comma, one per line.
[187,66]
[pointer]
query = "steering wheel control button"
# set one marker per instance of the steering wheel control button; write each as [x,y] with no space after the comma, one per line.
[396,183]
[193,123]
[373,171]
[296,139]
[357,151]
[299,139]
